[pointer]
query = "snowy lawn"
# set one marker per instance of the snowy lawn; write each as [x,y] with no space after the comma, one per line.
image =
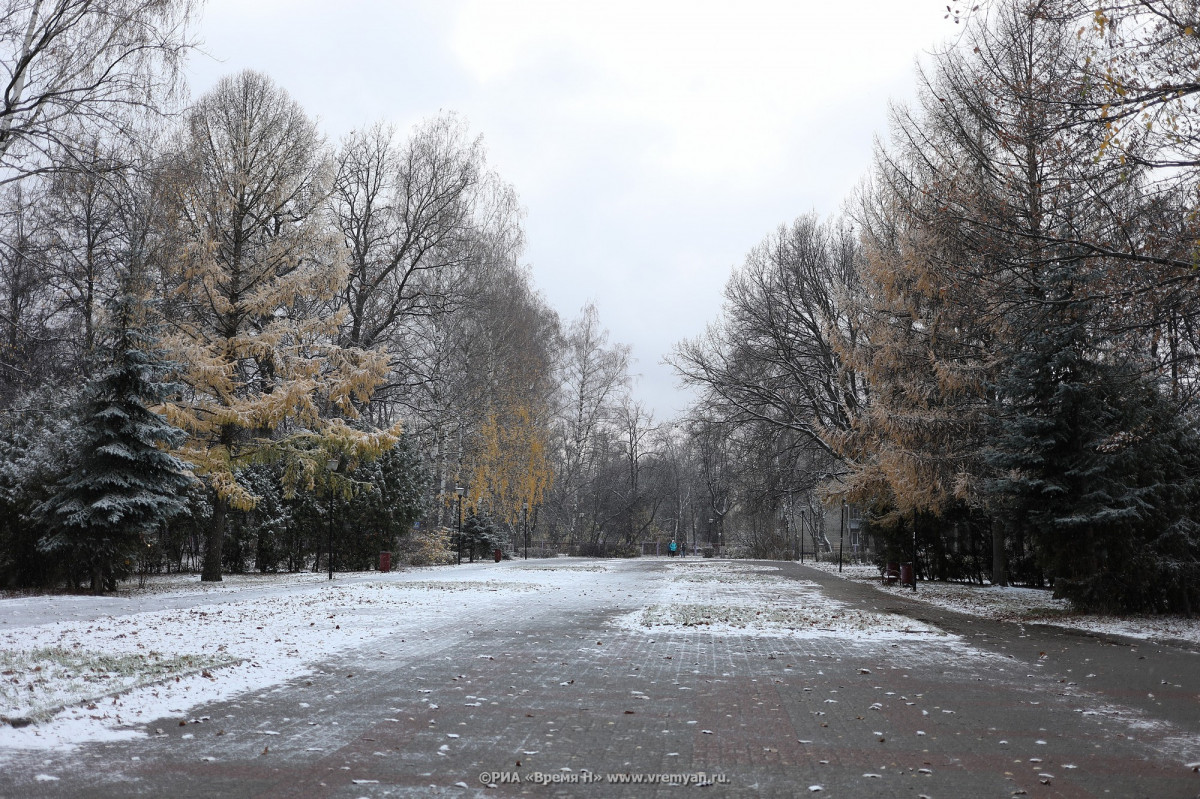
[1027,605]
[74,679]
[728,597]
[36,683]
[186,585]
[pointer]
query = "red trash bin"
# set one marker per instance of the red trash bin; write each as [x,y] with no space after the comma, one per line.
[385,561]
[497,554]
[906,574]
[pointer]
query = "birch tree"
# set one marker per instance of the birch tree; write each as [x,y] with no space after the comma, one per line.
[75,70]
[510,360]
[593,382]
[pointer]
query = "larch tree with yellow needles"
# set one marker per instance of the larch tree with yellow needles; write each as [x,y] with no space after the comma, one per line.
[250,298]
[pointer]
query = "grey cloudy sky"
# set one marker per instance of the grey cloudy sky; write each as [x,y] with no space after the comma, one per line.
[652,142]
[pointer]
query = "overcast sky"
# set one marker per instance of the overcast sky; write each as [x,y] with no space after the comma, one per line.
[652,142]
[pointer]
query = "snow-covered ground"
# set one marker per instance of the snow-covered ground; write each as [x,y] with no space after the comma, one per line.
[97,677]
[731,597]
[76,669]
[1024,605]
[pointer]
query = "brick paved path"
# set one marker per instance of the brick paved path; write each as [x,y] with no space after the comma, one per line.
[547,685]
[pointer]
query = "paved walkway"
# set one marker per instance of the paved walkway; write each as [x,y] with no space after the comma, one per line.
[1163,680]
[545,690]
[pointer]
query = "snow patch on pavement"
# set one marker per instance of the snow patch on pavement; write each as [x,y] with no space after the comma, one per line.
[742,599]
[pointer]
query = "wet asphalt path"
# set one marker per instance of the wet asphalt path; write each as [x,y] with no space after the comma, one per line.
[1161,679]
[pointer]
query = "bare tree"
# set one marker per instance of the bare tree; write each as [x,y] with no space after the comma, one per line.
[74,70]
[87,246]
[593,379]
[774,356]
[404,211]
[31,339]
[717,469]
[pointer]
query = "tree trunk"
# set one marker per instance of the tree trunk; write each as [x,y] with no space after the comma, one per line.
[216,538]
[999,554]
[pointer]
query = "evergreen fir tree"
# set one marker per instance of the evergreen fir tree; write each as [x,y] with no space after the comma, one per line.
[391,498]
[124,483]
[1092,458]
[479,535]
[36,440]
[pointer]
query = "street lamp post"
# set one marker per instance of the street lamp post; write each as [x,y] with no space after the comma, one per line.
[789,518]
[841,535]
[525,525]
[333,465]
[914,559]
[802,530]
[459,490]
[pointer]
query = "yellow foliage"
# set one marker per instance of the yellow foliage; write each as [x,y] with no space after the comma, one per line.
[927,371]
[276,387]
[512,469]
[428,547]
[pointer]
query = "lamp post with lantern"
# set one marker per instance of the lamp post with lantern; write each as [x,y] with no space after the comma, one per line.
[334,464]
[803,530]
[459,491]
[841,535]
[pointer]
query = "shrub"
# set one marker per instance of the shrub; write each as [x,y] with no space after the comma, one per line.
[428,547]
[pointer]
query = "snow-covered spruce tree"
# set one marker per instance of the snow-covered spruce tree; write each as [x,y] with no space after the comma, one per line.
[479,536]
[124,483]
[253,537]
[37,432]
